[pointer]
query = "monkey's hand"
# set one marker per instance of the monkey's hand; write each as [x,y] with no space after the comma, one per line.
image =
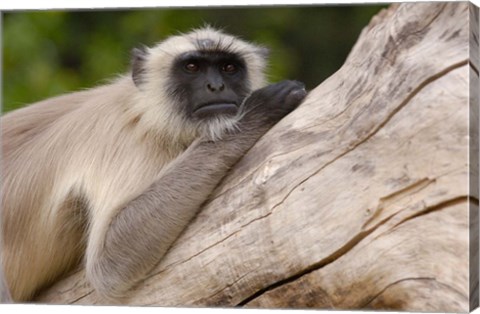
[273,102]
[259,112]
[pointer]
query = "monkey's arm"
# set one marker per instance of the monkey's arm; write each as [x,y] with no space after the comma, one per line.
[141,233]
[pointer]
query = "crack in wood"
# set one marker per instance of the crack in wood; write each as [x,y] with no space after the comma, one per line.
[387,201]
[439,206]
[346,248]
[335,255]
[381,125]
[224,288]
[81,297]
[426,210]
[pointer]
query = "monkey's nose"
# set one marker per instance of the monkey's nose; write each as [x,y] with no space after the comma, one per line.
[216,87]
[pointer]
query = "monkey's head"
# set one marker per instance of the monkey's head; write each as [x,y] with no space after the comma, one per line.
[196,82]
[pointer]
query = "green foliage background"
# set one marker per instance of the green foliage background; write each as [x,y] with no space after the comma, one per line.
[46,53]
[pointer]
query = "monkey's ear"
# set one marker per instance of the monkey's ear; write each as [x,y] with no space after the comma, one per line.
[139,55]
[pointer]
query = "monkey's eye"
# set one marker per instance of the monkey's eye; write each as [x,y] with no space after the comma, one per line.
[229,68]
[192,67]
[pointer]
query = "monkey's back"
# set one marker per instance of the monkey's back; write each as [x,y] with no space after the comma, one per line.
[55,156]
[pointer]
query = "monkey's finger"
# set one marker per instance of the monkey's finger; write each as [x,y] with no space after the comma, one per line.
[295,97]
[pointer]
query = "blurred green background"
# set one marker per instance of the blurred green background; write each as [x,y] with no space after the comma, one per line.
[46,53]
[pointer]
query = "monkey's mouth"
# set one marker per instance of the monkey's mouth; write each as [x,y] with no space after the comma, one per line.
[216,108]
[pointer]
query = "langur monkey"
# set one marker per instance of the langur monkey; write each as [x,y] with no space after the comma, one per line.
[112,175]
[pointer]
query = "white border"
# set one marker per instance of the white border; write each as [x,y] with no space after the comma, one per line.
[8,5]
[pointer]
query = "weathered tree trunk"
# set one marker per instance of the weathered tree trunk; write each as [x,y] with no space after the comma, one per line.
[364,197]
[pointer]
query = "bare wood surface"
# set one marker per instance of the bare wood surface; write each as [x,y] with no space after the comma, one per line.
[358,199]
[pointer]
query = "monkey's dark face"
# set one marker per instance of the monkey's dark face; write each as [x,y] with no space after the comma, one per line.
[209,83]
